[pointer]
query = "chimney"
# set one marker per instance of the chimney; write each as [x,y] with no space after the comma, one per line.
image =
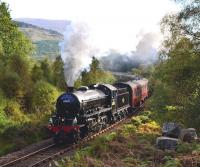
[70,89]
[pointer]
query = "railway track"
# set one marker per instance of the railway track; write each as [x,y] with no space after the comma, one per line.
[44,156]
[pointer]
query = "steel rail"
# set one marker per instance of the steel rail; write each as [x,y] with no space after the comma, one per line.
[85,140]
[67,149]
[26,156]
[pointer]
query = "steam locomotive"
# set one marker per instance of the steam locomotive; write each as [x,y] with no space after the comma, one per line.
[90,109]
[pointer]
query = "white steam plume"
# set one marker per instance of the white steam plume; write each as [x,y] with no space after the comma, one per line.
[112,25]
[75,51]
[145,55]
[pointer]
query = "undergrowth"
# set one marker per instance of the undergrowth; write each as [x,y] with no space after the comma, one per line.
[131,145]
[15,135]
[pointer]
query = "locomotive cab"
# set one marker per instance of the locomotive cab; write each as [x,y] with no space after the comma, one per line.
[111,93]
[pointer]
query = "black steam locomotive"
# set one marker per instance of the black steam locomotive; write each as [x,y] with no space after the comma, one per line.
[90,109]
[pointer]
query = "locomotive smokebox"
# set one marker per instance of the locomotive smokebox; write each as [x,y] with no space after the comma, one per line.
[70,89]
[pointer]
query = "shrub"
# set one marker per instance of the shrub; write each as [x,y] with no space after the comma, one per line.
[98,146]
[110,136]
[128,128]
[171,162]
[44,97]
[13,112]
[11,84]
[136,121]
[3,119]
[188,148]
[150,127]
[144,119]
[140,119]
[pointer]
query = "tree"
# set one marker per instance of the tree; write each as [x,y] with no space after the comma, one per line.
[14,50]
[96,74]
[37,73]
[95,65]
[11,84]
[189,19]
[58,74]
[177,74]
[13,41]
[47,71]
[44,97]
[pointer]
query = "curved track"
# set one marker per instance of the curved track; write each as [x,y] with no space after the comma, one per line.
[44,156]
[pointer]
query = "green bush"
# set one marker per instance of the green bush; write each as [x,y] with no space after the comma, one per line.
[44,97]
[141,119]
[11,84]
[128,128]
[136,121]
[14,113]
[171,162]
[3,119]
[150,127]
[144,119]
[97,147]
[188,147]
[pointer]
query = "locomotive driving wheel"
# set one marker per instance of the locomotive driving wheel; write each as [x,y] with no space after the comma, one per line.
[57,138]
[75,136]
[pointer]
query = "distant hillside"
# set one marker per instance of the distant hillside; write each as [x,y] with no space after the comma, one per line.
[36,33]
[46,41]
[56,25]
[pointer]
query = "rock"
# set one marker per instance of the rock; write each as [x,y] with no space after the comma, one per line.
[166,143]
[171,129]
[188,135]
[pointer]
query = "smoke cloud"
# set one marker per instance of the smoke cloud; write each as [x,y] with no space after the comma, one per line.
[145,55]
[75,51]
[123,35]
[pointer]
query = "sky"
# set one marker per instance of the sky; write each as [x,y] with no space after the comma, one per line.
[112,24]
[99,27]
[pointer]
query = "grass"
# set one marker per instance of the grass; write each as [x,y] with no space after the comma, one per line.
[17,135]
[132,145]
[19,129]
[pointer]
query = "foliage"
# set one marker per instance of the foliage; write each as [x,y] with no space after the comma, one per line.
[95,75]
[27,90]
[3,118]
[138,120]
[133,148]
[193,148]
[144,71]
[13,112]
[46,48]
[45,41]
[125,147]
[128,128]
[171,162]
[13,41]
[11,84]
[150,127]
[58,74]
[37,73]
[176,78]
[44,97]
[49,71]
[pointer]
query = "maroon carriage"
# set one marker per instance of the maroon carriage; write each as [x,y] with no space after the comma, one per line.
[142,85]
[138,91]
